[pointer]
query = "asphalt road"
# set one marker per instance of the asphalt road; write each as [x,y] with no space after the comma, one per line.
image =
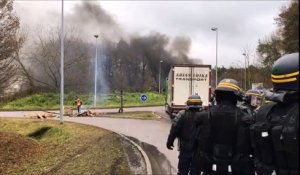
[151,135]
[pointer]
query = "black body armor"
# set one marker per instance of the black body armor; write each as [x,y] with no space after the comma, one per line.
[229,141]
[275,139]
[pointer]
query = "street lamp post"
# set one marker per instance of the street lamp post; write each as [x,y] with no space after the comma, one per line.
[159,74]
[62,65]
[216,30]
[96,62]
[245,71]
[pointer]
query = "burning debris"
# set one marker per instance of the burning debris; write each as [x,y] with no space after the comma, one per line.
[86,113]
[68,111]
[41,115]
[51,115]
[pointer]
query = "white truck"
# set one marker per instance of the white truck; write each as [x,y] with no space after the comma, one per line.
[185,80]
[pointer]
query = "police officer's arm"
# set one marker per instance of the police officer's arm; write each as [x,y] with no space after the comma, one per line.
[246,122]
[177,117]
[175,129]
[247,119]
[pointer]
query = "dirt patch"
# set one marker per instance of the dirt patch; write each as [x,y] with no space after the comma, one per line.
[39,133]
[16,149]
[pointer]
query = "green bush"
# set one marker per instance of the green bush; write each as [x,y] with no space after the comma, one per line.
[43,101]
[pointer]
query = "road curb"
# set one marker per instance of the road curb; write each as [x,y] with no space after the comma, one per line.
[146,158]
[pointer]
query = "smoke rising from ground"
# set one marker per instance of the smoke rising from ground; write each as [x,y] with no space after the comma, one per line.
[180,45]
[125,61]
[90,18]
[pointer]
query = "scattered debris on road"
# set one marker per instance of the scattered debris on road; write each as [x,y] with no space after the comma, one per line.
[41,115]
[88,113]
[68,111]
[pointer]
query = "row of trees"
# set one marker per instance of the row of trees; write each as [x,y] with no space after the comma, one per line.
[128,65]
[254,74]
[285,39]
[282,41]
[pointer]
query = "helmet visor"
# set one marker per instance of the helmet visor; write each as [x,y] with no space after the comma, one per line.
[256,101]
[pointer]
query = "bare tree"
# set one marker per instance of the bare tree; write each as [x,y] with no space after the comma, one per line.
[45,61]
[10,44]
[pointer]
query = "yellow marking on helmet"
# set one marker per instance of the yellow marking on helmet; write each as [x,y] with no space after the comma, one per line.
[253,94]
[230,87]
[229,84]
[285,75]
[194,100]
[284,80]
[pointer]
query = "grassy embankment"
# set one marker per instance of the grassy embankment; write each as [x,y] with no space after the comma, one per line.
[46,101]
[46,147]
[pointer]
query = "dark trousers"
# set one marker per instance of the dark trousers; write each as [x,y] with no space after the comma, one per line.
[78,109]
[187,164]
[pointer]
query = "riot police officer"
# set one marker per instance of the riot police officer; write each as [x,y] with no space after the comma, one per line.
[229,143]
[184,128]
[252,100]
[275,134]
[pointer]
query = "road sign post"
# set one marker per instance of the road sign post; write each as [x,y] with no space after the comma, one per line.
[121,107]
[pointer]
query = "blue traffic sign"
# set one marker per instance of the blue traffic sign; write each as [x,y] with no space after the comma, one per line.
[144,97]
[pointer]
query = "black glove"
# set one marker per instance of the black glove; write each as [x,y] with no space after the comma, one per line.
[170,145]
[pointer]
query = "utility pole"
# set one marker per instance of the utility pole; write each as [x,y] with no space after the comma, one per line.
[62,65]
[245,86]
[159,75]
[216,30]
[96,63]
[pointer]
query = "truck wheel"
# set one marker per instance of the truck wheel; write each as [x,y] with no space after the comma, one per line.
[169,110]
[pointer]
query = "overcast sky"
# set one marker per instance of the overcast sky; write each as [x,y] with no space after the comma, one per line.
[240,23]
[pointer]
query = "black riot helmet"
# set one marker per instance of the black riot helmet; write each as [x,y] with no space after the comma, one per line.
[285,73]
[230,85]
[194,102]
[228,89]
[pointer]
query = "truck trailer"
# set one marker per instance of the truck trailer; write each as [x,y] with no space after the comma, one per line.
[185,80]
